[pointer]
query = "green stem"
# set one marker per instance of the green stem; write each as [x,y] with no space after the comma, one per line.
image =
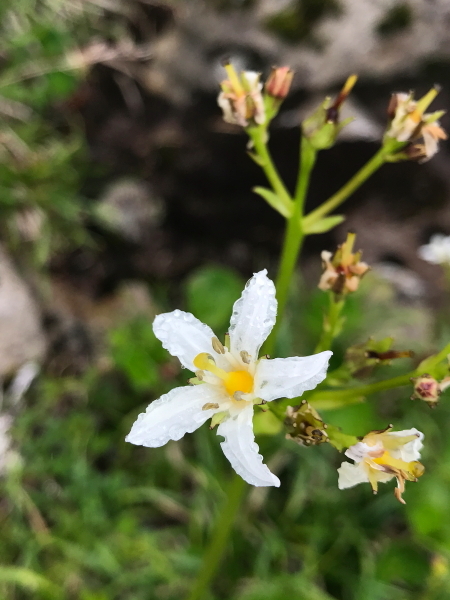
[353,184]
[258,135]
[363,390]
[215,549]
[292,241]
[331,323]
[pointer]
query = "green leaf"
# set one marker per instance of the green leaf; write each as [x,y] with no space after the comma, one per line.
[136,351]
[211,293]
[274,201]
[324,225]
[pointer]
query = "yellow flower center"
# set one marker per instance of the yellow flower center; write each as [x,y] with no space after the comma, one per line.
[239,381]
[234,381]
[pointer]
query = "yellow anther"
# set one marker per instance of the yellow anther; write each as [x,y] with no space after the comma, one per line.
[349,84]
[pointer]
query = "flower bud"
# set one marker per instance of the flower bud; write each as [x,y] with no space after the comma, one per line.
[343,270]
[426,388]
[241,98]
[323,126]
[279,82]
[305,426]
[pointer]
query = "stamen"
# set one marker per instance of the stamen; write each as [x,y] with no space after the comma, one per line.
[238,396]
[227,342]
[234,80]
[210,405]
[234,381]
[245,357]
[217,346]
[200,375]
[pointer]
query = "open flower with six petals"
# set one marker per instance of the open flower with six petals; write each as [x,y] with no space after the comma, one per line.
[231,380]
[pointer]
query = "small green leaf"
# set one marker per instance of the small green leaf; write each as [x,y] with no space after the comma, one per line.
[274,201]
[324,225]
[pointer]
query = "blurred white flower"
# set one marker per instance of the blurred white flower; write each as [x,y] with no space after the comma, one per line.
[230,380]
[241,98]
[382,455]
[437,251]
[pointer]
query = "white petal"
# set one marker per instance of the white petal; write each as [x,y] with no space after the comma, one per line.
[184,336]
[360,450]
[410,451]
[350,475]
[174,414]
[290,377]
[254,315]
[242,452]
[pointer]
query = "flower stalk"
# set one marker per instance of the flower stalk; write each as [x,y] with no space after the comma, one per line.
[332,323]
[293,238]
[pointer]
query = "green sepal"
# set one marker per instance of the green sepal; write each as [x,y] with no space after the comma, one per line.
[274,201]
[340,440]
[218,418]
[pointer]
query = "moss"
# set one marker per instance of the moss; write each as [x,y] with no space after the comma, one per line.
[396,19]
[295,24]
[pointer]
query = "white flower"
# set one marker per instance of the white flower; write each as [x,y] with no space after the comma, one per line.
[382,455]
[231,378]
[437,251]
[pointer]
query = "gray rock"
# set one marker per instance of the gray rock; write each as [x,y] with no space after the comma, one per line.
[21,336]
[130,209]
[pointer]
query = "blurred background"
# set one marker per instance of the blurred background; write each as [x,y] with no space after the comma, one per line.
[124,194]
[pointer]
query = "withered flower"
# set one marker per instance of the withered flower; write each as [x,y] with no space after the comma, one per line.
[408,122]
[343,270]
[361,359]
[382,455]
[305,426]
[241,98]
